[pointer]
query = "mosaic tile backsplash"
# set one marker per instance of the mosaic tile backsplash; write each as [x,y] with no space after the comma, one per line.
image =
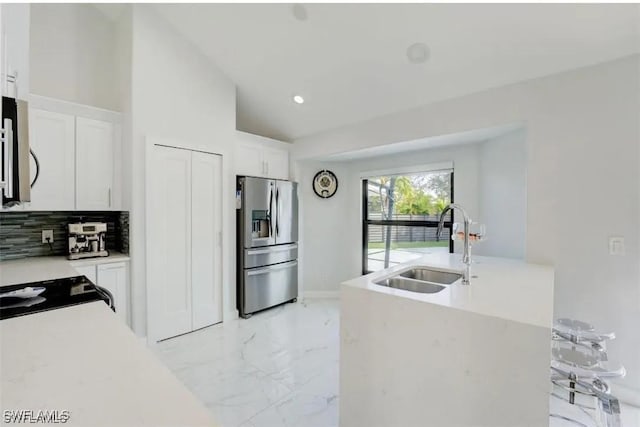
[21,232]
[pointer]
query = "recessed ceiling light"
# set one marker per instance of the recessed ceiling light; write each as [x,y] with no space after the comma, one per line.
[298,99]
[418,53]
[299,12]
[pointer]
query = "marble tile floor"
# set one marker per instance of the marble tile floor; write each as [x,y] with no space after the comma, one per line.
[277,368]
[280,369]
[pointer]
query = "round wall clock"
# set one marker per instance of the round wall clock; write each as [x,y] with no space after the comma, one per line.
[325,184]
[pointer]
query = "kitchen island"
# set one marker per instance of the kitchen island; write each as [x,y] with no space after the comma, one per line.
[81,359]
[469,355]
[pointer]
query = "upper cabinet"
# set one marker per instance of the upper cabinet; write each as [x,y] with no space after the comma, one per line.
[259,156]
[14,35]
[76,157]
[276,162]
[95,148]
[248,160]
[52,140]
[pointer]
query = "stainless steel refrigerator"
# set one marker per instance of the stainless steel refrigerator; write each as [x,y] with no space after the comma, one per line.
[267,241]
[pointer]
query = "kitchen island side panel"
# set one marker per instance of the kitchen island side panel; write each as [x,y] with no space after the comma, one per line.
[411,363]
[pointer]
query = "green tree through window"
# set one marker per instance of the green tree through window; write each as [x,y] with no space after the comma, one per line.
[402,214]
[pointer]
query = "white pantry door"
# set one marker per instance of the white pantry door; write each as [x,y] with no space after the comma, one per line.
[206,225]
[169,231]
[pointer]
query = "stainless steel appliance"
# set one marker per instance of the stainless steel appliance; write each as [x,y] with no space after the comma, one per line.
[87,240]
[35,297]
[267,241]
[15,180]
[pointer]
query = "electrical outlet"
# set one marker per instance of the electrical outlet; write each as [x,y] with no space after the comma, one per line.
[47,234]
[616,245]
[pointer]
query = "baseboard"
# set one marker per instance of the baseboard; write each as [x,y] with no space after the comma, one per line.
[626,395]
[320,294]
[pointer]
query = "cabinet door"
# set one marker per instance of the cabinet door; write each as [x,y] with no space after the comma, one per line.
[206,257]
[94,164]
[51,136]
[15,49]
[113,277]
[89,271]
[249,161]
[276,163]
[169,243]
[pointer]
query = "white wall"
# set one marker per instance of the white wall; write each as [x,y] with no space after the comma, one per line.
[329,230]
[123,76]
[72,54]
[503,196]
[582,151]
[177,94]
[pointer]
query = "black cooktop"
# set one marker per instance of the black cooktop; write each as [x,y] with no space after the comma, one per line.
[36,297]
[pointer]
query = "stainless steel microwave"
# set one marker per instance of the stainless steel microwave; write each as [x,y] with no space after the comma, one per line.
[15,180]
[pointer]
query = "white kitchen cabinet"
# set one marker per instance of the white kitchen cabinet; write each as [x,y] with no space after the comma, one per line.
[94,164]
[276,163]
[15,50]
[248,160]
[262,157]
[113,277]
[89,271]
[52,139]
[184,228]
[77,147]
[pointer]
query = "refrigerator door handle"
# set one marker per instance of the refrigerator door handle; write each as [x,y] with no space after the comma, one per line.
[277,210]
[272,268]
[270,211]
[275,249]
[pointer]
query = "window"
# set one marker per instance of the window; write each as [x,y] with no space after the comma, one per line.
[401,215]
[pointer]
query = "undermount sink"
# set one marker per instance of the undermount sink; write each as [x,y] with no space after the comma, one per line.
[424,280]
[410,285]
[432,275]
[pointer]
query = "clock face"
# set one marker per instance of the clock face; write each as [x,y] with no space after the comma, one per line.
[325,184]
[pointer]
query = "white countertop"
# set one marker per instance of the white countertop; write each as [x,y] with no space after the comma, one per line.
[84,360]
[500,287]
[35,269]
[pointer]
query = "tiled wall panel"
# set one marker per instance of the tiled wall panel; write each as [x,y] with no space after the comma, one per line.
[21,232]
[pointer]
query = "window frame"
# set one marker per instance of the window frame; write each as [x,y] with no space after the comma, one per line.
[367,222]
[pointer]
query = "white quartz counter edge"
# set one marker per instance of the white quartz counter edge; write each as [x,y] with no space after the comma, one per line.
[500,287]
[35,269]
[84,360]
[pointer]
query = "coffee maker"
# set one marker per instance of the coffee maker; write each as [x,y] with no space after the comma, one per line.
[87,240]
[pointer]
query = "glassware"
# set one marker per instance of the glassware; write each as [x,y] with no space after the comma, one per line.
[477,232]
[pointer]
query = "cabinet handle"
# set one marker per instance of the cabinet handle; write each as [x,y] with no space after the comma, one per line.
[267,165]
[111,266]
[110,197]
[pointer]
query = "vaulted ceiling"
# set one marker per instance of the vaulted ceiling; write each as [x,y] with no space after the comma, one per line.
[350,63]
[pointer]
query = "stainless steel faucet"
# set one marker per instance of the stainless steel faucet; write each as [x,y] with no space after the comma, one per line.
[466,256]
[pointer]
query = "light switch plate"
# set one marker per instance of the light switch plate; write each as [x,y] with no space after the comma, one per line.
[47,234]
[616,245]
